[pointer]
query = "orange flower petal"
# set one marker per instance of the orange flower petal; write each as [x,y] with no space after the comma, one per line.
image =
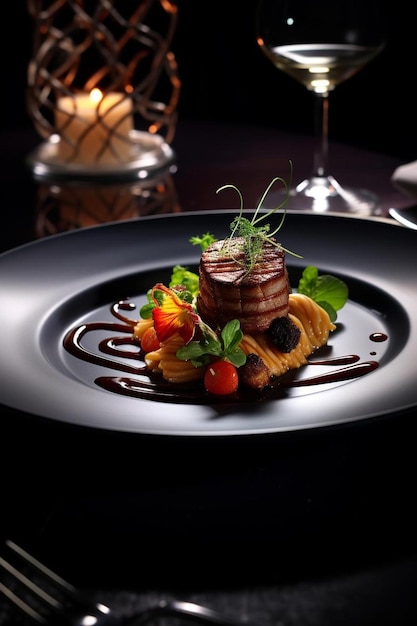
[173,316]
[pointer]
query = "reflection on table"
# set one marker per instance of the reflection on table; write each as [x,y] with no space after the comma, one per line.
[207,156]
[66,206]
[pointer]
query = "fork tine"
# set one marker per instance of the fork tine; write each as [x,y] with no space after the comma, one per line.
[21,604]
[39,597]
[63,584]
[15,599]
[68,605]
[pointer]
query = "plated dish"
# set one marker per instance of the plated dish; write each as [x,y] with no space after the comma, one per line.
[54,285]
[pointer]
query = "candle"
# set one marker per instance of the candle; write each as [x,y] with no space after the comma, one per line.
[94,129]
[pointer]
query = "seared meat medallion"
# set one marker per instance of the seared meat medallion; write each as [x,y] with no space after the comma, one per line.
[229,291]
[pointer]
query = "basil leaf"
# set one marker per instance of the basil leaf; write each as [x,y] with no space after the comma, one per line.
[146,310]
[327,291]
[238,358]
[329,310]
[231,335]
[331,290]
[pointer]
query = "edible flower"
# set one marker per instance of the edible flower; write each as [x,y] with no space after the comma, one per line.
[172,315]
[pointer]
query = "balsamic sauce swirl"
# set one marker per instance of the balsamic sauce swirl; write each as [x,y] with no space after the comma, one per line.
[148,385]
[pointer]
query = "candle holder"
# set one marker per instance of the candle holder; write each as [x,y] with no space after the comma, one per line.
[103,88]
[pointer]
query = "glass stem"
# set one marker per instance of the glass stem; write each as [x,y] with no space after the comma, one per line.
[321,126]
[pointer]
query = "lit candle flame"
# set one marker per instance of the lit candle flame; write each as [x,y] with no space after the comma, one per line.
[96,95]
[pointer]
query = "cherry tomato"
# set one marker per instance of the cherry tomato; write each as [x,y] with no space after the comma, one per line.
[221,378]
[149,341]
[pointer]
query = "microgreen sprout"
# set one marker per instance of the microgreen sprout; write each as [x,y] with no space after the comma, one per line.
[255,234]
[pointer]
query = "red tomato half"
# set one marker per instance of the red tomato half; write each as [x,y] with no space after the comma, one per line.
[221,378]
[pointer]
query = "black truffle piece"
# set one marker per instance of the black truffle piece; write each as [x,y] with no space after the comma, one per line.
[284,333]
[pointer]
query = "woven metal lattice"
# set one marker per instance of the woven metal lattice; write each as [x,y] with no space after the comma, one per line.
[119,47]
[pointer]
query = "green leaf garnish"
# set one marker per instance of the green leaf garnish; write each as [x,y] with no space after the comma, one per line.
[327,291]
[204,241]
[225,346]
[146,310]
[183,276]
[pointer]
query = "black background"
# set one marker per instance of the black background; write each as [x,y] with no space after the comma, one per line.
[225,77]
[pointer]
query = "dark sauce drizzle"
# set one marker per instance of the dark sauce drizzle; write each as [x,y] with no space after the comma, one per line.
[149,385]
[378,337]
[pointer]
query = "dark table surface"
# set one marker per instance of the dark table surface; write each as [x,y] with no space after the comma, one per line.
[207,157]
[314,529]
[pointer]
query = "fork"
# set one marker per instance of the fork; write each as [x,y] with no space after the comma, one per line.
[56,601]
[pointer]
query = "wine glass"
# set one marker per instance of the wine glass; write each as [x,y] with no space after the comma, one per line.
[322,43]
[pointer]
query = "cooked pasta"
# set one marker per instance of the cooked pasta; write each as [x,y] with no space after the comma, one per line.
[314,319]
[173,369]
[315,326]
[142,326]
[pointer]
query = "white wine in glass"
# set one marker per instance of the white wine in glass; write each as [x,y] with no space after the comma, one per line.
[322,43]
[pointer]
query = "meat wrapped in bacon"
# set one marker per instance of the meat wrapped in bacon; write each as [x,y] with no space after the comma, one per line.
[228,290]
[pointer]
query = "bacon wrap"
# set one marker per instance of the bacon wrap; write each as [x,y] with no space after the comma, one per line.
[228,291]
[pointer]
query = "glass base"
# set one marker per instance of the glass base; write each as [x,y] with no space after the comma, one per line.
[149,156]
[326,195]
